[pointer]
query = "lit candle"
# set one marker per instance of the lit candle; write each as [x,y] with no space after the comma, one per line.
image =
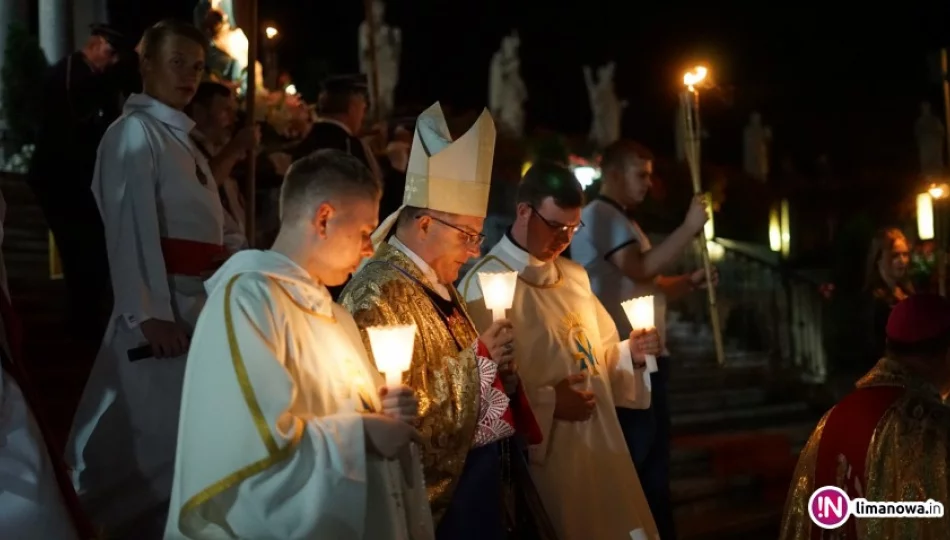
[392,349]
[498,289]
[640,314]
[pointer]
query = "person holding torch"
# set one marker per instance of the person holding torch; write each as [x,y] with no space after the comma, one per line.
[571,361]
[283,433]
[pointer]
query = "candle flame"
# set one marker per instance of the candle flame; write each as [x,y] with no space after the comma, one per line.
[938,191]
[693,78]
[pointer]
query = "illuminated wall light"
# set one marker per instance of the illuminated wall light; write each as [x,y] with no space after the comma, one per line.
[786,229]
[775,230]
[925,216]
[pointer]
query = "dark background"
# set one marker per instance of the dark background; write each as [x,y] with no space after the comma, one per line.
[840,79]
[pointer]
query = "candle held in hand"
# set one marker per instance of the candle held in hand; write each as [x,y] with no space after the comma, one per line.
[392,349]
[498,289]
[640,314]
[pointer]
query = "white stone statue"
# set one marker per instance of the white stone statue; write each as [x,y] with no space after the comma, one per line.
[757,139]
[388,44]
[930,140]
[507,92]
[606,108]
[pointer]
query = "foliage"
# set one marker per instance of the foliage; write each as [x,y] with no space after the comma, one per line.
[23,76]
[288,115]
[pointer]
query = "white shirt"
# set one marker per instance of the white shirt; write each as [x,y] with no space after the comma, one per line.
[607,230]
[427,270]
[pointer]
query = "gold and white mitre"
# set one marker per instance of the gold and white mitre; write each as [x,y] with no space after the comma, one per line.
[443,175]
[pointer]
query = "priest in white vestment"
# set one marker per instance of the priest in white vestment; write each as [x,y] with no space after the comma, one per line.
[283,432]
[572,364]
[164,234]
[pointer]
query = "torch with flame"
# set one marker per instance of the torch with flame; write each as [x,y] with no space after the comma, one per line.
[392,349]
[693,80]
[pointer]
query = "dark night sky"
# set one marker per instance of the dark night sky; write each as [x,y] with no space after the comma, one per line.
[847,82]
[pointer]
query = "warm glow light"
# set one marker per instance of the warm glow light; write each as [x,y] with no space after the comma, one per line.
[291,90]
[716,251]
[939,191]
[692,78]
[709,229]
[775,230]
[498,289]
[235,44]
[925,216]
[270,32]
[586,175]
[786,229]
[524,168]
[640,314]
[392,349]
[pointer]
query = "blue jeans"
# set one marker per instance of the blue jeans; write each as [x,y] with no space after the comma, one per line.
[648,432]
[476,510]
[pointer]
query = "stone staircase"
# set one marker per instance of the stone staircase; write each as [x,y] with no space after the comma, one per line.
[737,433]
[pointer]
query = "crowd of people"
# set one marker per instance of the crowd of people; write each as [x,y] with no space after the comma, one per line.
[235,393]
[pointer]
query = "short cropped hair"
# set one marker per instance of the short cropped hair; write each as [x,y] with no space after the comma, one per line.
[616,154]
[548,179]
[155,36]
[207,91]
[324,175]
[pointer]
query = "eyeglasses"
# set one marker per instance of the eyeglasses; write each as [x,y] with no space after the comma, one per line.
[471,239]
[558,227]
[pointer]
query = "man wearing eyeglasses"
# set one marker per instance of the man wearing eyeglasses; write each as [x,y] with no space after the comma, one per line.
[573,365]
[466,414]
[622,264]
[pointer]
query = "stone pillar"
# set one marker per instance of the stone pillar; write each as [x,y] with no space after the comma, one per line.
[11,12]
[86,13]
[55,29]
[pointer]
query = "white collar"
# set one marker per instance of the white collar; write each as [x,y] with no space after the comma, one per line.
[336,122]
[173,118]
[427,270]
[520,258]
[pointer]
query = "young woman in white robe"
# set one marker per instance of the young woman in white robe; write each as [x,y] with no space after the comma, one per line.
[164,231]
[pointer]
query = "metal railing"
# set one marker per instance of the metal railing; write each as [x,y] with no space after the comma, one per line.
[765,307]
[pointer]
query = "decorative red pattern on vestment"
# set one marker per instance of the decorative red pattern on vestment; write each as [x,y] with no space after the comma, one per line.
[500,417]
[848,431]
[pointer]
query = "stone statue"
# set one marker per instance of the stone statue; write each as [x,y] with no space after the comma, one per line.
[606,109]
[507,92]
[930,139]
[388,44]
[756,148]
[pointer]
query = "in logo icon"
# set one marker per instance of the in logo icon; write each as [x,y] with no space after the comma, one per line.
[829,507]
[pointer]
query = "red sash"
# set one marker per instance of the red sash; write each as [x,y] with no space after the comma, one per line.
[848,432]
[191,258]
[14,332]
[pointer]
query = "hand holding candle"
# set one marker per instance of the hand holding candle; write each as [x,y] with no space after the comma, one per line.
[640,314]
[392,349]
[498,290]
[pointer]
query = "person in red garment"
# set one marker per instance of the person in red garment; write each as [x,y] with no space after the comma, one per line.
[887,440]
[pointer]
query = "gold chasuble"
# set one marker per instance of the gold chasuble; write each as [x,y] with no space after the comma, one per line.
[443,371]
[886,441]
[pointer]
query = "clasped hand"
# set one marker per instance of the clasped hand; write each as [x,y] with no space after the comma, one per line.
[168,339]
[390,432]
[499,338]
[643,343]
[570,404]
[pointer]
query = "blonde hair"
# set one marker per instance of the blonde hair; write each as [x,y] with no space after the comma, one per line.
[883,242]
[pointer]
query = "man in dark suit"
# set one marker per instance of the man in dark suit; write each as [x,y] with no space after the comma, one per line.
[342,108]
